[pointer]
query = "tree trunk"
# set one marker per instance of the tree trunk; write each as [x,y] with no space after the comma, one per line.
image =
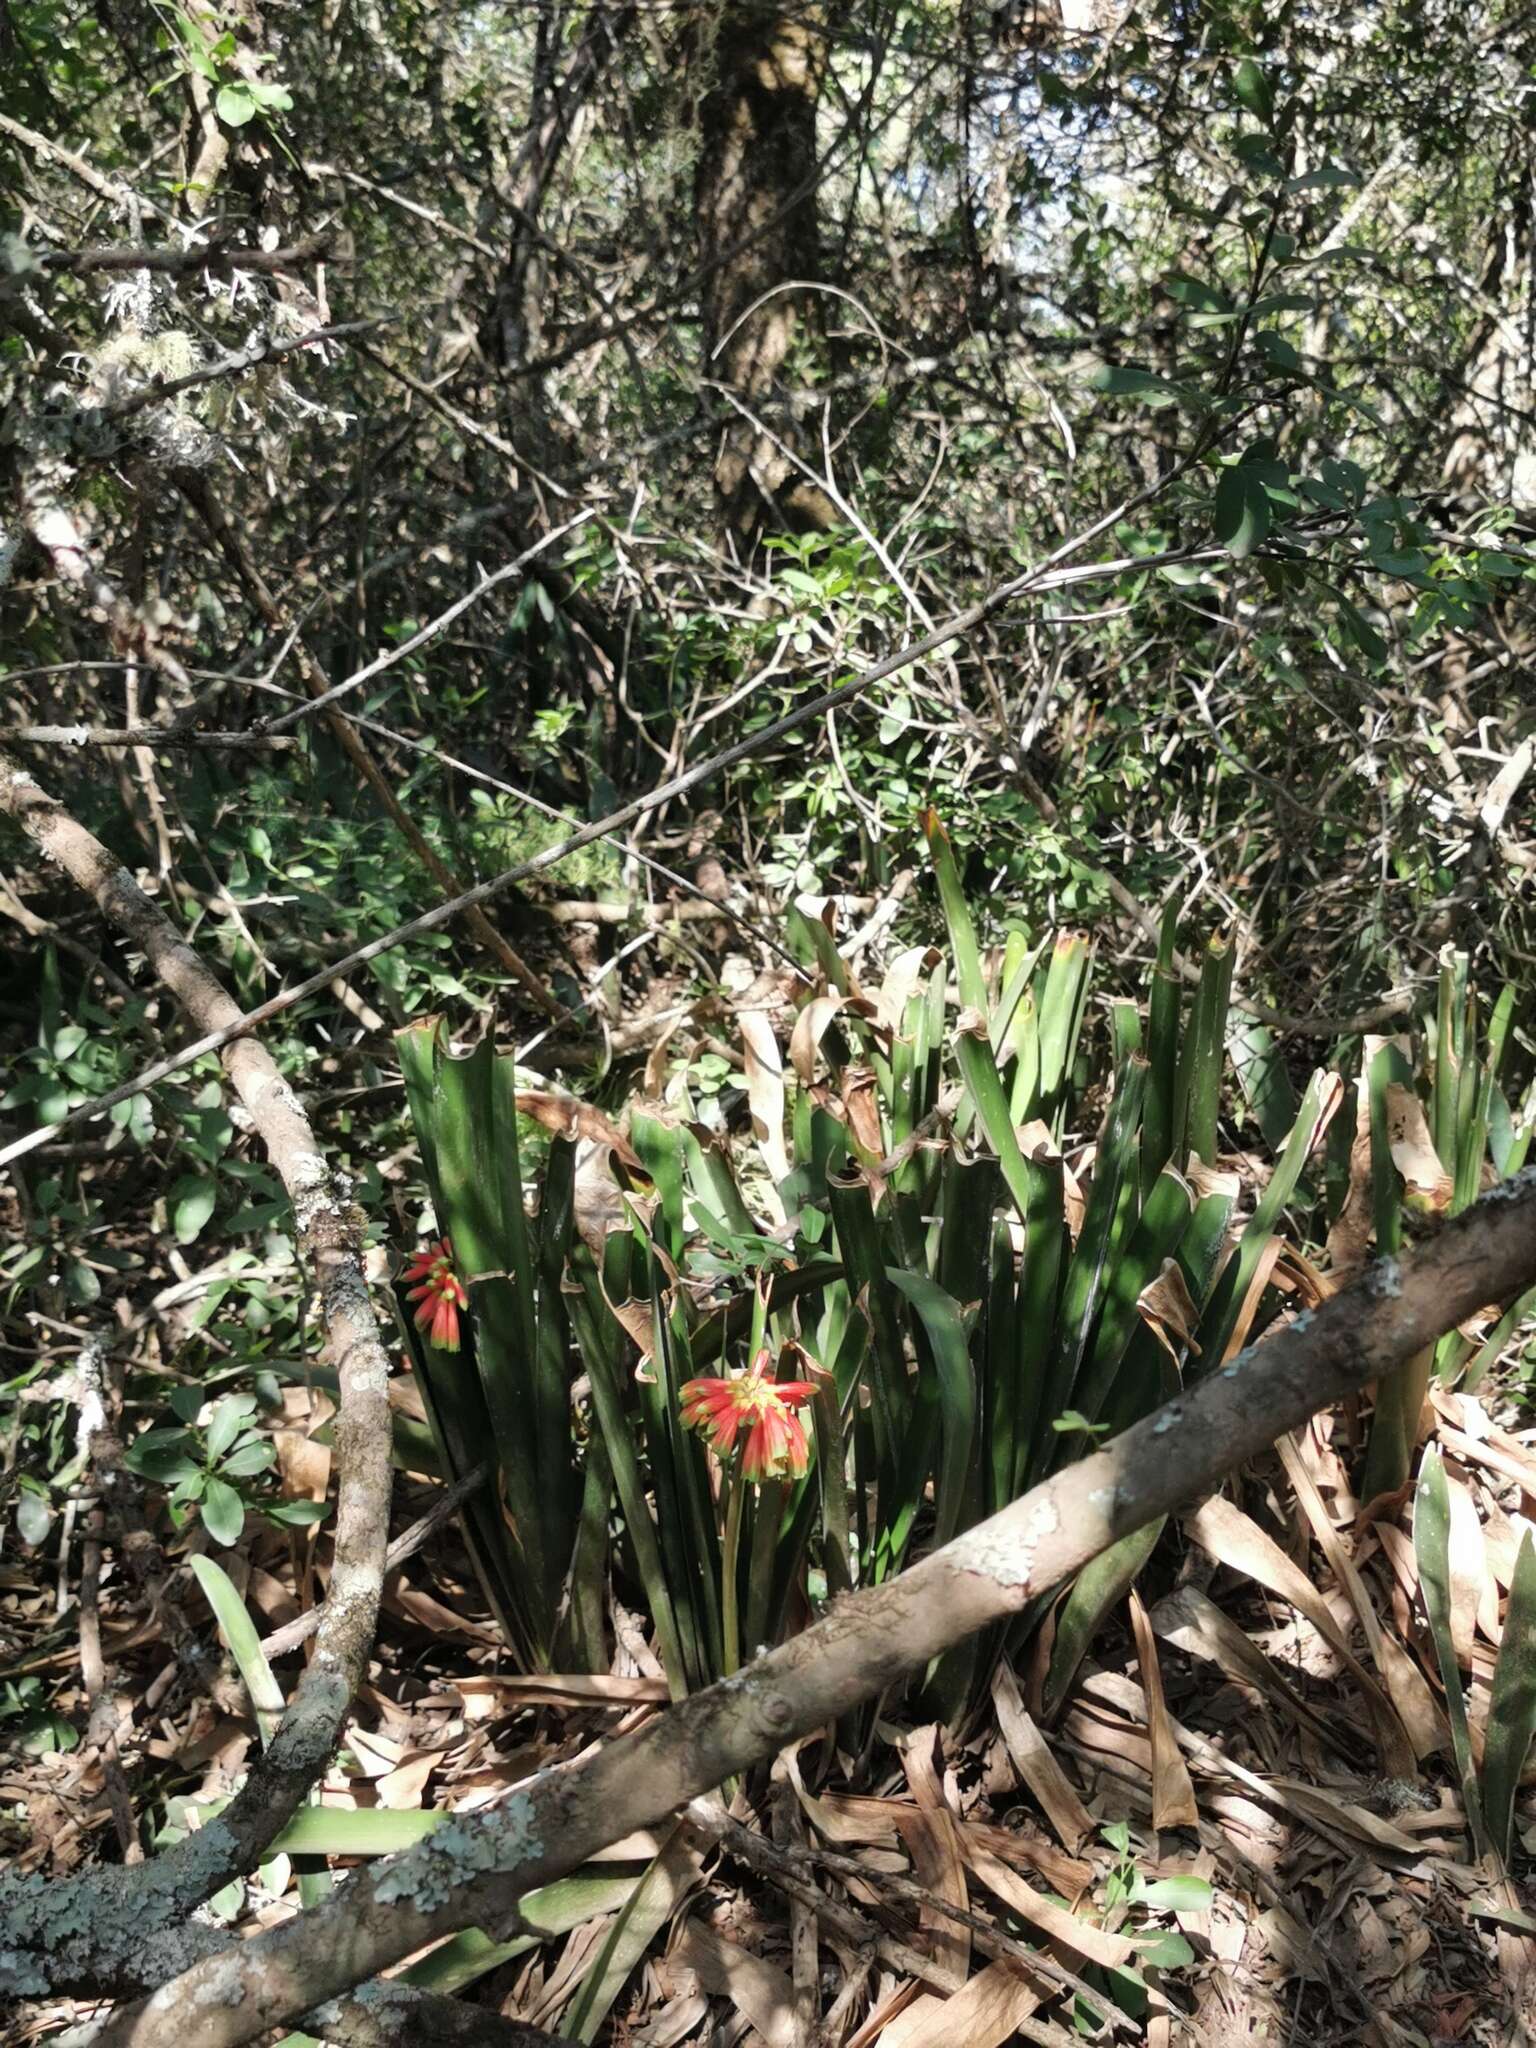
[755,207]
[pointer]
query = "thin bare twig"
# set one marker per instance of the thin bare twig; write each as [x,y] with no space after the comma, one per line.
[406,1544]
[218,258]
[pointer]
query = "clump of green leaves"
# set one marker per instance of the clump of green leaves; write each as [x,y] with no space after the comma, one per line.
[213,1465]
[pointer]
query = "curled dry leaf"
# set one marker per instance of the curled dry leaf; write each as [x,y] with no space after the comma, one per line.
[1427,1186]
[812,1026]
[901,978]
[566,1116]
[1168,1309]
[861,1106]
[1036,1142]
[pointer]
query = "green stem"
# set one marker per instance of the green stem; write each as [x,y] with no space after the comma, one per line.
[730,1628]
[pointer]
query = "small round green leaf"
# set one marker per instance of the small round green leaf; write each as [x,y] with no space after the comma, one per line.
[223,1512]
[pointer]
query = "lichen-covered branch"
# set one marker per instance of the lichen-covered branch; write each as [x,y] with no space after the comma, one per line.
[389,2014]
[471,1870]
[119,1928]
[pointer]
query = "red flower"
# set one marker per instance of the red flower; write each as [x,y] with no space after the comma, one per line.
[440,1292]
[775,1446]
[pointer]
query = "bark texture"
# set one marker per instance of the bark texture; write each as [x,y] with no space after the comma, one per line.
[755,205]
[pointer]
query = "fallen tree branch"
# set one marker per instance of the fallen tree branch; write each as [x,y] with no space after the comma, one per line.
[471,1871]
[395,2015]
[398,2015]
[134,736]
[792,1869]
[116,1927]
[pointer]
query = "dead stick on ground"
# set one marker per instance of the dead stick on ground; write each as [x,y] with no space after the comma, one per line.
[405,1545]
[790,1868]
[104,1924]
[472,1871]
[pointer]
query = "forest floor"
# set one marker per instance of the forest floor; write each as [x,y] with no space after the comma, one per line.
[1209,1822]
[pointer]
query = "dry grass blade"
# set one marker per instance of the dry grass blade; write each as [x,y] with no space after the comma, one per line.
[1470,1580]
[765,1098]
[1262,1273]
[1173,1796]
[1092,1944]
[1037,1768]
[885,2010]
[1233,1540]
[1405,1682]
[1432,1544]
[1496,1457]
[985,2013]
[558,1689]
[759,1990]
[933,1842]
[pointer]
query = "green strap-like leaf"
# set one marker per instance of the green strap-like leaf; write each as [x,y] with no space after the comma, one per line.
[971,981]
[1096,1589]
[939,1315]
[1432,1548]
[1512,1706]
[242,1641]
[647,1910]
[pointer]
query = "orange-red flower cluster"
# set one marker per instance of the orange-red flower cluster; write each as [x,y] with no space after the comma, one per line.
[440,1292]
[757,1408]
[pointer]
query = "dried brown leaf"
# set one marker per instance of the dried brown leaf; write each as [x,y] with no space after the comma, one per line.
[759,1990]
[982,2014]
[932,1839]
[1082,1937]
[765,1096]
[1233,1540]
[1036,1766]
[1427,1187]
[1168,1309]
[1406,1684]
[1173,1796]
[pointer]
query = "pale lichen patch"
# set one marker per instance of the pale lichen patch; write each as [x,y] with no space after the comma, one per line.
[459,1851]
